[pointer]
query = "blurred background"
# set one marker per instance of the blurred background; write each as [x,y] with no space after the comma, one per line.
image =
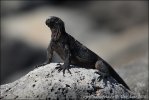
[115,30]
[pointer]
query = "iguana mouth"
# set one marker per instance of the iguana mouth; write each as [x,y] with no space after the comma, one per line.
[55,33]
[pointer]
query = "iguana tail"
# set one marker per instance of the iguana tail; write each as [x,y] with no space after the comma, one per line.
[115,75]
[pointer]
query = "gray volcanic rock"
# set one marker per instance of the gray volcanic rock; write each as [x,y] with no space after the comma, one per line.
[46,83]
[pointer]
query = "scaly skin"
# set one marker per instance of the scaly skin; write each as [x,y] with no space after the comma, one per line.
[73,52]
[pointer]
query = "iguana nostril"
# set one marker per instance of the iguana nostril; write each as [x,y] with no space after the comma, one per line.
[47,21]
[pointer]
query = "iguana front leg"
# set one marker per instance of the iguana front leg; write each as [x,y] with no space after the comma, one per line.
[49,55]
[66,64]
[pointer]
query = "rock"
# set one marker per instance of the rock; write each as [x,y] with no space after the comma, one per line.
[46,83]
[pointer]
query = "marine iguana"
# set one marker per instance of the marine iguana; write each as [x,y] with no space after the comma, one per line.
[73,52]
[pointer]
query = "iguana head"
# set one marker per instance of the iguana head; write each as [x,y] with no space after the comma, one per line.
[57,27]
